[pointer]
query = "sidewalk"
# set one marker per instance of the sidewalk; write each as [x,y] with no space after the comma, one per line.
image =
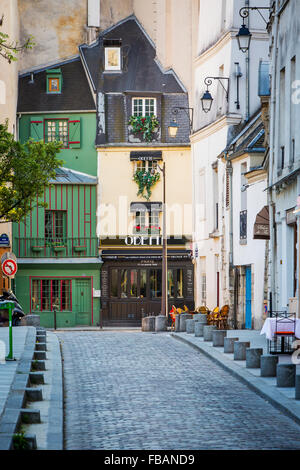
[281,398]
[31,397]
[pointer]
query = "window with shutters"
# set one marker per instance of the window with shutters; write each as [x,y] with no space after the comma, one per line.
[60,130]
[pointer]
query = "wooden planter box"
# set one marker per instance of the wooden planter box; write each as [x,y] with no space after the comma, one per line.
[79,248]
[37,248]
[59,248]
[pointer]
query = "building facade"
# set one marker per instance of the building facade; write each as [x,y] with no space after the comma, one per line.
[56,244]
[233,84]
[284,165]
[134,93]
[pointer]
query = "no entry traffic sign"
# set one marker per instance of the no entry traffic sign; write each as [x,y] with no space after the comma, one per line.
[9,267]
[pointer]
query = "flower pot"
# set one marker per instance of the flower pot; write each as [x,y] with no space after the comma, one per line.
[58,248]
[79,248]
[37,248]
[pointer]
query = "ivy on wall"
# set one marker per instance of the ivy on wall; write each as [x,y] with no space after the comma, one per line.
[145,181]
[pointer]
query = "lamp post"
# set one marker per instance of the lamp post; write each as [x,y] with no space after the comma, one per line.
[173,126]
[207,99]
[244,35]
[164,297]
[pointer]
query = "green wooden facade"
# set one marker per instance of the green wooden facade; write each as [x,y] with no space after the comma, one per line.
[57,246]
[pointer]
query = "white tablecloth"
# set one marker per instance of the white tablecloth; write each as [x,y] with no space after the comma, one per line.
[269,327]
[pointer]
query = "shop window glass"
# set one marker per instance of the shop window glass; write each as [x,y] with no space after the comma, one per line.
[155,282]
[50,294]
[55,226]
[123,283]
[114,283]
[143,283]
[171,285]
[133,283]
[180,283]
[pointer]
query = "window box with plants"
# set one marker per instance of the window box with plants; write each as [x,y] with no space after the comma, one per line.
[144,128]
[79,248]
[37,249]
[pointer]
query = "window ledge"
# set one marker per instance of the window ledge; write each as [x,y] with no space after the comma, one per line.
[243,242]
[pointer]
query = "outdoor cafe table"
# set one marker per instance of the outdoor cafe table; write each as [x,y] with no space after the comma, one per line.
[269,327]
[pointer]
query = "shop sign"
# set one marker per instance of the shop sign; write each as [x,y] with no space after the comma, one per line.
[143,241]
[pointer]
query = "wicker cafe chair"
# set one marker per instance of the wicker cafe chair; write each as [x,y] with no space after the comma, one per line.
[223,318]
[212,317]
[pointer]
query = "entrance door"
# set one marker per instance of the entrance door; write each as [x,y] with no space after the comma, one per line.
[83,301]
[248,316]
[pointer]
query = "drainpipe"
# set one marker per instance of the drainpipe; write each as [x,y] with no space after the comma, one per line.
[231,265]
[271,156]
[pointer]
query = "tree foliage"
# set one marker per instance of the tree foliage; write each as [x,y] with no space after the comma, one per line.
[9,49]
[25,170]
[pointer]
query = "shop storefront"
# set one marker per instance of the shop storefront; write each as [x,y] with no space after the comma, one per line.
[131,284]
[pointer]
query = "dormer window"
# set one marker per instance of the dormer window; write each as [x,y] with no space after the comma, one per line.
[112,55]
[53,81]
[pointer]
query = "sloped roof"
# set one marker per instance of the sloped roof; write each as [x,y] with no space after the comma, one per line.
[140,70]
[68,176]
[75,96]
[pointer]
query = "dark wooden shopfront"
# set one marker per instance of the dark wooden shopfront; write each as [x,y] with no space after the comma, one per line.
[131,285]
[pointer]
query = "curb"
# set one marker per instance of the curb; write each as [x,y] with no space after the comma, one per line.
[55,414]
[11,417]
[267,392]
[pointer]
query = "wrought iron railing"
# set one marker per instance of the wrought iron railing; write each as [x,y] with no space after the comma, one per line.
[56,248]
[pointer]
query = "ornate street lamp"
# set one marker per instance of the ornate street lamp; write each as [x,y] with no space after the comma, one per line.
[207,99]
[244,35]
[173,126]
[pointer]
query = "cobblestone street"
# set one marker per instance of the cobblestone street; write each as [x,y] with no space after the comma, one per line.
[131,390]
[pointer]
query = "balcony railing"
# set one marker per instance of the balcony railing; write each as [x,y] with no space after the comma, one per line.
[56,248]
[146,230]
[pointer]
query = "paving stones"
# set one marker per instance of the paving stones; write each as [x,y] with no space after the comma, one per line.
[128,390]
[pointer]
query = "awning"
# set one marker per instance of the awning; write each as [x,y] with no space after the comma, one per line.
[146,155]
[145,207]
[262,225]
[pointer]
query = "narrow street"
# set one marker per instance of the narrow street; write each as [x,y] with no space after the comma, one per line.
[129,390]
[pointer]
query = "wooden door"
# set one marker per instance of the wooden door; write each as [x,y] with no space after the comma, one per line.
[83,301]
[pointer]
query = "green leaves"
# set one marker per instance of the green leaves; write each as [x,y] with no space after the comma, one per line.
[8,49]
[25,170]
[145,180]
[145,125]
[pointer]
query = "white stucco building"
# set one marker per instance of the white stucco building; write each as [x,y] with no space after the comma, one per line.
[234,88]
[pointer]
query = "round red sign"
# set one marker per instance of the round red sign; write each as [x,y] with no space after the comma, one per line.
[9,267]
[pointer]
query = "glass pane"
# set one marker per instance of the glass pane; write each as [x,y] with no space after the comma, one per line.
[143,283]
[59,225]
[46,295]
[171,285]
[65,294]
[149,106]
[123,283]
[35,295]
[180,283]
[48,225]
[155,282]
[114,283]
[55,295]
[133,283]
[141,166]
[138,107]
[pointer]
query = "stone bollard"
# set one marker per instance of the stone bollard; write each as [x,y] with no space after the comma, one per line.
[228,344]
[253,356]
[177,322]
[199,328]
[190,326]
[183,318]
[268,363]
[286,374]
[218,337]
[199,317]
[239,350]
[208,331]
[148,323]
[297,389]
[160,323]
